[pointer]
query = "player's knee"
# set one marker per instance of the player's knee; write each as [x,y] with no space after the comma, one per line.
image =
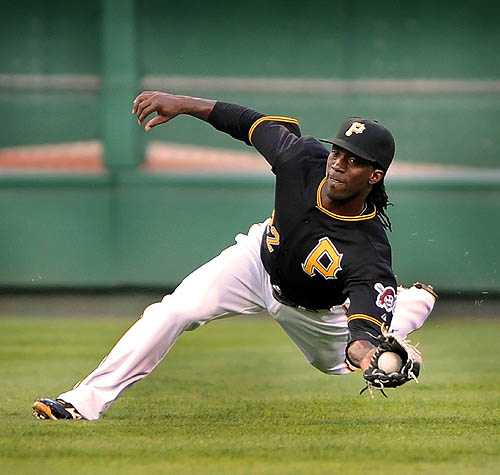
[167,309]
[415,302]
[154,310]
[413,306]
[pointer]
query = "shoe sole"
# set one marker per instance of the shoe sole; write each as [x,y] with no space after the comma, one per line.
[42,411]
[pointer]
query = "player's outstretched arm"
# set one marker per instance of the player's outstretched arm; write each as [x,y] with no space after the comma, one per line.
[271,139]
[168,106]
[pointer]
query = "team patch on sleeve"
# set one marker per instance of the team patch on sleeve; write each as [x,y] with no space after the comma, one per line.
[386,298]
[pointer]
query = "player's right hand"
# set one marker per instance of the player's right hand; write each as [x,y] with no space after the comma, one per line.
[167,106]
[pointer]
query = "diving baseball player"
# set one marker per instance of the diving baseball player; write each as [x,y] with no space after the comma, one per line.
[320,266]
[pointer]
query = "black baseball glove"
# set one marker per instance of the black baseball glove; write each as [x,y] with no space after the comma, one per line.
[411,358]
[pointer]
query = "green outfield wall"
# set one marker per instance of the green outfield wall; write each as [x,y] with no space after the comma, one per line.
[69,71]
[151,231]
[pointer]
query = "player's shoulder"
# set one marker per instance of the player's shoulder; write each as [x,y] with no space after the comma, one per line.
[305,153]
[378,240]
[314,146]
[370,237]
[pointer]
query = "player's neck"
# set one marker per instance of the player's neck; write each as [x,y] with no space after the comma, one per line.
[352,207]
[346,209]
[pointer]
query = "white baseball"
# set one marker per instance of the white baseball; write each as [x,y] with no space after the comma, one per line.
[390,362]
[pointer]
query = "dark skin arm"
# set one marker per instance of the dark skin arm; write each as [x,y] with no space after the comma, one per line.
[360,353]
[168,106]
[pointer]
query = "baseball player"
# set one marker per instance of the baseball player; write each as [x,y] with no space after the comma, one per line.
[320,265]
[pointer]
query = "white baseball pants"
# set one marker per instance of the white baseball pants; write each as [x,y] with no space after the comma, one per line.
[233,283]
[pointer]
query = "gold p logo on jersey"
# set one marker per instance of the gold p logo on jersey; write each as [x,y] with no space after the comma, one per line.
[324,258]
[356,127]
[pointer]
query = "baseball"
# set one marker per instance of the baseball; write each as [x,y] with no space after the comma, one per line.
[390,362]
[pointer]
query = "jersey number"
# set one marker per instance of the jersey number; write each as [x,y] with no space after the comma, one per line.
[273,236]
[325,259]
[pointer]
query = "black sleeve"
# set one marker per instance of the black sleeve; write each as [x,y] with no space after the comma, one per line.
[271,135]
[277,139]
[371,306]
[233,119]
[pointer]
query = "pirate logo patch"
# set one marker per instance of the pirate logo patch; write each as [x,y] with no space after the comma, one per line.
[386,297]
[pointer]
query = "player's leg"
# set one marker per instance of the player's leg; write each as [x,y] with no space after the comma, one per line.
[321,336]
[413,306]
[228,285]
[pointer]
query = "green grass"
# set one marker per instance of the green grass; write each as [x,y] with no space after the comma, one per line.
[237,397]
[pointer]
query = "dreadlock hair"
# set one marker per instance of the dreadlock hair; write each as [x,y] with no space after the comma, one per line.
[378,197]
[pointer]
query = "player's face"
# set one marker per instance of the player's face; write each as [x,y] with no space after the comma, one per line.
[349,177]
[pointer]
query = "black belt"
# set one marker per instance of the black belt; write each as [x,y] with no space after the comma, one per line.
[283,299]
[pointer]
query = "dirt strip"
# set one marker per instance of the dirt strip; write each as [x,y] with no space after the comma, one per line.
[161,157]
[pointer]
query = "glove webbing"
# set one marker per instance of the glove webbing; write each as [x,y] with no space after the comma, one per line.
[412,360]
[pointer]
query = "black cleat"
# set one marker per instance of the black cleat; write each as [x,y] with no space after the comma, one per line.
[55,409]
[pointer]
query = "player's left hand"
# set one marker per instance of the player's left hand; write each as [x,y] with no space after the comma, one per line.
[377,378]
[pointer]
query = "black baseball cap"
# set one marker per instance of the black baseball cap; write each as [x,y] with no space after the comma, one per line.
[366,139]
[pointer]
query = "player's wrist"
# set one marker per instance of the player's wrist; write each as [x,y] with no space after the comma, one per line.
[360,352]
[195,106]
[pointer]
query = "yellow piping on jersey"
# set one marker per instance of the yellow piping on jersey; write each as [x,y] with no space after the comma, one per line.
[349,366]
[360,316]
[320,206]
[275,118]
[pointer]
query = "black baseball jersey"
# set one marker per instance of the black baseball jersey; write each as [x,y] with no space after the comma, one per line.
[316,258]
